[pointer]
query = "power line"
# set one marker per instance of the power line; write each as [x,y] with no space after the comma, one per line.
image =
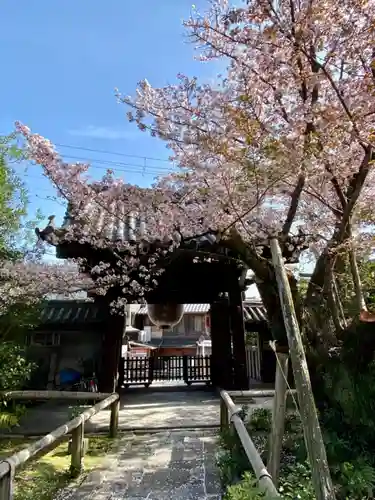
[111,153]
[124,170]
[135,168]
[118,163]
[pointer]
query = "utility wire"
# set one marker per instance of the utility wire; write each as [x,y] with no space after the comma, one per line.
[117,163]
[132,168]
[80,148]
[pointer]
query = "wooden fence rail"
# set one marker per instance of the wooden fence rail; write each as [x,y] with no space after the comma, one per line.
[229,415]
[46,395]
[50,441]
[146,370]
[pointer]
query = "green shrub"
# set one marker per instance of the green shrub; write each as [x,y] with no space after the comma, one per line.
[295,482]
[15,370]
[245,490]
[232,460]
[356,480]
[261,419]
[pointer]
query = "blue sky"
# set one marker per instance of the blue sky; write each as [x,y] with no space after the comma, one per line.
[63,61]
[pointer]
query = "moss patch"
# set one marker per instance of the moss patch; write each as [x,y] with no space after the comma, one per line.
[43,478]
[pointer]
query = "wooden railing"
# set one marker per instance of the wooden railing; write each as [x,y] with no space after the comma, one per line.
[190,369]
[229,416]
[50,441]
[253,361]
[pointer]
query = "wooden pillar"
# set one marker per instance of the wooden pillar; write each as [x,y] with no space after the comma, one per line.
[221,356]
[241,379]
[112,334]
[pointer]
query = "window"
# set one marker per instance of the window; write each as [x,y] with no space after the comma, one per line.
[44,339]
[189,324]
[199,324]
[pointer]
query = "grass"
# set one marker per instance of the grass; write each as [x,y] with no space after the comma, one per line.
[43,478]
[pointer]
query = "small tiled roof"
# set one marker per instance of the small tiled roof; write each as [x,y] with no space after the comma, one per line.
[70,312]
[114,223]
[254,311]
[188,309]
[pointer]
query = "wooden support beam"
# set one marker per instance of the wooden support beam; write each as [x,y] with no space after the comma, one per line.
[265,482]
[77,450]
[221,353]
[113,426]
[241,379]
[49,442]
[111,348]
[321,476]
[278,416]
[224,416]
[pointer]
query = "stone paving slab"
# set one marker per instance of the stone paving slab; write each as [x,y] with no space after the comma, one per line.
[177,465]
[139,408]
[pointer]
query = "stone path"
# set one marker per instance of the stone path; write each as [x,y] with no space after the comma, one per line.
[177,465]
[139,409]
[158,465]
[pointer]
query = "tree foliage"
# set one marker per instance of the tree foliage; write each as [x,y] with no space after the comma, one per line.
[281,144]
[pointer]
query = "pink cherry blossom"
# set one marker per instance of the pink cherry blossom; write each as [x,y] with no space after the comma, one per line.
[283,139]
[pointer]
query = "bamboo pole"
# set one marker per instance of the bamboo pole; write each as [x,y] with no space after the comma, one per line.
[224,420]
[335,290]
[278,416]
[50,441]
[257,393]
[264,479]
[113,426]
[40,395]
[6,482]
[321,476]
[77,450]
[358,289]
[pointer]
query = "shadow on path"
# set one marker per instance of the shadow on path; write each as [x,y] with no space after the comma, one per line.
[162,466]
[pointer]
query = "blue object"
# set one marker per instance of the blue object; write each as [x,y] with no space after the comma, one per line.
[69,376]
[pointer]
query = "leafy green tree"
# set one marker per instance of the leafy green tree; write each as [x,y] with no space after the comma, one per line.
[18,317]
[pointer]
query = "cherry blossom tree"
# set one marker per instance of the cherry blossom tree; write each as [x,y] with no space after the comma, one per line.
[282,143]
[24,279]
[285,138]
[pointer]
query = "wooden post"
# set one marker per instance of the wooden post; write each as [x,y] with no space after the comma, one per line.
[224,417]
[221,357]
[321,476]
[113,428]
[111,346]
[77,450]
[278,416]
[121,369]
[360,299]
[264,479]
[241,379]
[6,486]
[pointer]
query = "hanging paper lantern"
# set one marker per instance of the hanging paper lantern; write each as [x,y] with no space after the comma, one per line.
[165,315]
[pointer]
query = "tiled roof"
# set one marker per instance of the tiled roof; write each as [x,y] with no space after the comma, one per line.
[254,311]
[109,224]
[114,224]
[70,312]
[188,309]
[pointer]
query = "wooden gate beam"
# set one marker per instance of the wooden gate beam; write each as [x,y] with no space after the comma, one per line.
[111,348]
[221,350]
[241,379]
